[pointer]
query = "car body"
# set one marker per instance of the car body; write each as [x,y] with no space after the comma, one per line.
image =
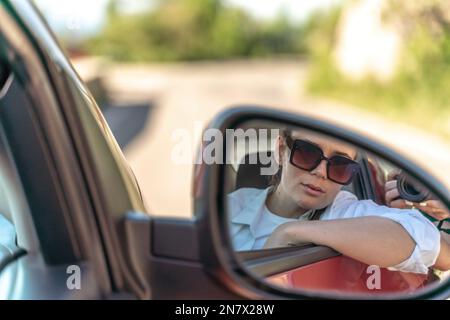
[76,205]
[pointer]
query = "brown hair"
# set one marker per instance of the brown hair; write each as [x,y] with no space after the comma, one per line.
[276,178]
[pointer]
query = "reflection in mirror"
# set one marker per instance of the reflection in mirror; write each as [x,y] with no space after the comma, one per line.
[311,212]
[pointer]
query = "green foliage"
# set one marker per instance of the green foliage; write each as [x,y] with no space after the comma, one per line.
[418,93]
[192,30]
[185,30]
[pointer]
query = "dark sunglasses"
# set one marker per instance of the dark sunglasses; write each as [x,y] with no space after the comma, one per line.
[307,156]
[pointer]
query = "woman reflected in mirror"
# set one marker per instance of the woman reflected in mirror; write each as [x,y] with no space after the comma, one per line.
[305,203]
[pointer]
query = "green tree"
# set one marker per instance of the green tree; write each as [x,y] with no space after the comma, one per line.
[190,30]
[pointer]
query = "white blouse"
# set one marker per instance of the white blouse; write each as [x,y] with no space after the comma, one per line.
[252,223]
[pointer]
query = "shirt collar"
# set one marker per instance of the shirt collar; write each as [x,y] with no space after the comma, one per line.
[252,210]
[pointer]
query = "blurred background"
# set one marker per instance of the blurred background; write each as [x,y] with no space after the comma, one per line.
[381,67]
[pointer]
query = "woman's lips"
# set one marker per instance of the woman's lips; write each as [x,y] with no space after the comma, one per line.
[313,190]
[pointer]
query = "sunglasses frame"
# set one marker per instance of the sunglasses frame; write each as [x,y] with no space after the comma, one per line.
[294,147]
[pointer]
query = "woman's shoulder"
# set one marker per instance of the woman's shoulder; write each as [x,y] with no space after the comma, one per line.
[343,201]
[344,198]
[7,232]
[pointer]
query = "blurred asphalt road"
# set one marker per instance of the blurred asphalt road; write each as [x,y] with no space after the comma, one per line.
[187,96]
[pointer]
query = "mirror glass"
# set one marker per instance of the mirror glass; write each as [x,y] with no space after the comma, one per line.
[307,211]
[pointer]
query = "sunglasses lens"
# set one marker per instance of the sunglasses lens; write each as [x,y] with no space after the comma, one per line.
[306,156]
[341,169]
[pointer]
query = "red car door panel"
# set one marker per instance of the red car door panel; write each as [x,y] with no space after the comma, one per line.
[348,275]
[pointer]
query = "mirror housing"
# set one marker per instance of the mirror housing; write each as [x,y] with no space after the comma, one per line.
[215,246]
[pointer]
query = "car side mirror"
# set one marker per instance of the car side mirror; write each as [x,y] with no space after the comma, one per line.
[271,188]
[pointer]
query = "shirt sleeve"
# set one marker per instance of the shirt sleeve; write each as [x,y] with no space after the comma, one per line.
[421,230]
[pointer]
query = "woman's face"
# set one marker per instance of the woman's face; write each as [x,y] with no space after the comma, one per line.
[310,189]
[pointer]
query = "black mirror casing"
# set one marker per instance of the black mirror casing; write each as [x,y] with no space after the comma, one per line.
[215,248]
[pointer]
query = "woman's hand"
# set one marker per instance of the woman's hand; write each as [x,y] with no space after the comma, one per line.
[434,208]
[287,234]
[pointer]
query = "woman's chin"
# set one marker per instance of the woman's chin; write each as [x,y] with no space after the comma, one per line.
[306,205]
[311,205]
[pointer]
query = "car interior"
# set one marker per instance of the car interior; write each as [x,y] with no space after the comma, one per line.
[17,234]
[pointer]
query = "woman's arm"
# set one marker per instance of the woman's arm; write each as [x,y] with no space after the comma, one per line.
[443,260]
[433,208]
[371,240]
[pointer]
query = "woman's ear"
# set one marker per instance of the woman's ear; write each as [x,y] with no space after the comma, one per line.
[279,150]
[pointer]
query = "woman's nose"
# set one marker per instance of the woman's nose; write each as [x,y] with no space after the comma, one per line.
[321,169]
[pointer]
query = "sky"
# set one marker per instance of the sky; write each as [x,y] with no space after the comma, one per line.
[86,16]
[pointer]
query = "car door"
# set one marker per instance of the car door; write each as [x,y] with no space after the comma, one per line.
[85,203]
[82,228]
[55,252]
